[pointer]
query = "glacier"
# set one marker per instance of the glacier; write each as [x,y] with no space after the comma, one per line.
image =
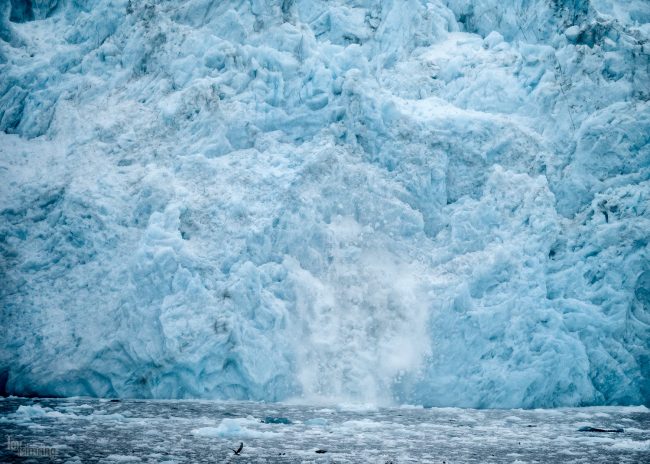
[442,203]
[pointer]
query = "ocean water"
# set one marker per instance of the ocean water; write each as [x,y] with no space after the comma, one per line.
[430,202]
[75,430]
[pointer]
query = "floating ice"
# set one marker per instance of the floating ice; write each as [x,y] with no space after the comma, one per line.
[209,431]
[232,428]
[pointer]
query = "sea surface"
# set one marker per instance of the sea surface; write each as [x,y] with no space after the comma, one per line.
[84,430]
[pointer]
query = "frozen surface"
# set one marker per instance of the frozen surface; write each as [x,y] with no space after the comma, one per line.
[424,202]
[84,430]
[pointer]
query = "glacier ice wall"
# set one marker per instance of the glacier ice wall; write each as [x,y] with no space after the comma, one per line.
[432,202]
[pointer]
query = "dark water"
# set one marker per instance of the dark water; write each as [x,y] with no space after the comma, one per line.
[98,431]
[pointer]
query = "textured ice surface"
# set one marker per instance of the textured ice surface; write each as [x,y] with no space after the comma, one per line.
[86,430]
[424,202]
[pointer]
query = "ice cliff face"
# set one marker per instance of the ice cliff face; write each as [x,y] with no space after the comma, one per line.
[442,203]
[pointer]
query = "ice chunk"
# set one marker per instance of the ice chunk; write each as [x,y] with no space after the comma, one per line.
[572,33]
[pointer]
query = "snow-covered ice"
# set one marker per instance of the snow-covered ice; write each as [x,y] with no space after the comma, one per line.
[386,202]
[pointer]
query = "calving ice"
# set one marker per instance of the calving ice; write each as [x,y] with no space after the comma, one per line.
[444,203]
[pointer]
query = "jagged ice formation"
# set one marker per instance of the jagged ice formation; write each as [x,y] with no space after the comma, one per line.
[426,202]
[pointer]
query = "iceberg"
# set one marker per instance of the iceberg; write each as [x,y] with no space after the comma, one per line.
[439,203]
